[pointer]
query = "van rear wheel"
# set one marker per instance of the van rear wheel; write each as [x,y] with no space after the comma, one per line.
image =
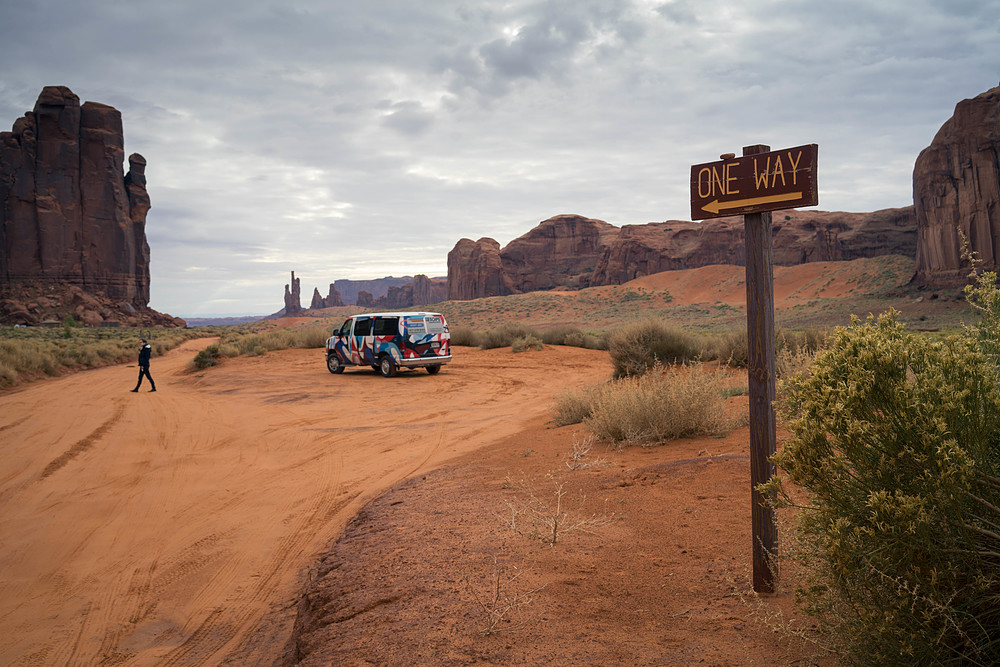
[386,366]
[433,370]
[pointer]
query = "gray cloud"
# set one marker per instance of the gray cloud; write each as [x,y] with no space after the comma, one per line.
[350,140]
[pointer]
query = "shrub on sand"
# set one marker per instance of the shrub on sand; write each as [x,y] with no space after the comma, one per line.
[636,347]
[464,336]
[505,335]
[664,404]
[575,405]
[896,439]
[526,343]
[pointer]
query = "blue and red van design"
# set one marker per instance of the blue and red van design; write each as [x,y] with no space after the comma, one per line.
[389,341]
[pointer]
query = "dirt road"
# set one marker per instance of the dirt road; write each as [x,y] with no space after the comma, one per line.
[177,528]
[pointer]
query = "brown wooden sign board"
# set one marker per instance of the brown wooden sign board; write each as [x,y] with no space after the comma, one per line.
[755,183]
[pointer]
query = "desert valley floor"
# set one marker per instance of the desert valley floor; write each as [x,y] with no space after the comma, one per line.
[265,512]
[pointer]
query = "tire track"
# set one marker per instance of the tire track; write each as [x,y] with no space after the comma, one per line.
[221,627]
[82,445]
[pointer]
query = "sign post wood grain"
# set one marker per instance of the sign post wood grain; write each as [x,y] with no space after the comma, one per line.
[761,381]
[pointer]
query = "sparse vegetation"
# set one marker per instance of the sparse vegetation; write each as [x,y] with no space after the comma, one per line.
[638,346]
[526,343]
[665,404]
[501,600]
[34,352]
[896,440]
[244,341]
[547,521]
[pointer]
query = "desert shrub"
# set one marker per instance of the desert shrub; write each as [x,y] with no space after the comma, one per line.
[638,346]
[505,335]
[731,347]
[464,336]
[207,357]
[574,405]
[526,343]
[896,440]
[664,404]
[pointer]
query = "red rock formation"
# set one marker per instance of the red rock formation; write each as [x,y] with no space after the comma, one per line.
[574,252]
[956,186]
[293,301]
[68,214]
[377,287]
[475,270]
[562,251]
[365,299]
[798,237]
[333,298]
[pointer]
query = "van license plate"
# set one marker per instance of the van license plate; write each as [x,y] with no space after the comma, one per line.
[435,346]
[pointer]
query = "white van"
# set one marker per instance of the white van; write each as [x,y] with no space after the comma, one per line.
[388,341]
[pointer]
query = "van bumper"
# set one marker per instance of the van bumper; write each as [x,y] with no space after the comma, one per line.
[421,362]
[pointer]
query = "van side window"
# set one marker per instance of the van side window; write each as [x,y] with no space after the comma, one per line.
[345,329]
[363,327]
[386,326]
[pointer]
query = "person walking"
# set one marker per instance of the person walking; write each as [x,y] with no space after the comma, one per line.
[144,353]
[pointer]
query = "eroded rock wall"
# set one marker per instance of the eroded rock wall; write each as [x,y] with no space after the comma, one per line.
[68,213]
[956,188]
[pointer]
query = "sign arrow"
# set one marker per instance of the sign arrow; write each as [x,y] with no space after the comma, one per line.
[716,206]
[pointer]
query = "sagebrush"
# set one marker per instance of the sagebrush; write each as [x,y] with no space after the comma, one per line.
[896,440]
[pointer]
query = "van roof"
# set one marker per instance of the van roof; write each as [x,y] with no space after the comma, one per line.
[397,314]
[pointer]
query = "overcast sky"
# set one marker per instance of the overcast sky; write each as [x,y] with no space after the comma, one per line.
[364,139]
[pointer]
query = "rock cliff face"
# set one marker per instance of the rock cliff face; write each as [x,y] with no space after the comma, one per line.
[575,252]
[422,291]
[378,287]
[562,251]
[956,186]
[798,237]
[475,270]
[68,214]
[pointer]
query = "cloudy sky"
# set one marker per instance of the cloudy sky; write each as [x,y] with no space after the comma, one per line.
[363,139]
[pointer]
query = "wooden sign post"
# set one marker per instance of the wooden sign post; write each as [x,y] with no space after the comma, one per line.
[755,185]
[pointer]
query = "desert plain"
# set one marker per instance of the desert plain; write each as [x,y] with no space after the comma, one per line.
[265,512]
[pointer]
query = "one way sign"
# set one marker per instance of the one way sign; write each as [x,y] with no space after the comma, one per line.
[755,183]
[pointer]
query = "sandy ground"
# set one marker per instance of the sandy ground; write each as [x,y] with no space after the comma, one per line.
[179,527]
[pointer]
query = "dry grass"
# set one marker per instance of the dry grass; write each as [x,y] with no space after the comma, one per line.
[668,403]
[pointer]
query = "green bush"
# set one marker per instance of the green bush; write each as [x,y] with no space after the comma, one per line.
[637,347]
[664,404]
[896,439]
[207,357]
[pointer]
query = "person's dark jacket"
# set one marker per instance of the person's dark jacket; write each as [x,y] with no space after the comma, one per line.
[144,355]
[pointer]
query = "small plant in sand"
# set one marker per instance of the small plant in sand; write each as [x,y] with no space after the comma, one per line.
[578,458]
[544,520]
[501,601]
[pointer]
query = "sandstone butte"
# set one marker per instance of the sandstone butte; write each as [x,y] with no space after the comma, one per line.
[956,186]
[72,223]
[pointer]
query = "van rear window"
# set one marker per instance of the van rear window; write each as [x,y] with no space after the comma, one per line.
[435,324]
[386,326]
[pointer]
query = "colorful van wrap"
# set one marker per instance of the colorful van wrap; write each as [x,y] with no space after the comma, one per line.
[388,341]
